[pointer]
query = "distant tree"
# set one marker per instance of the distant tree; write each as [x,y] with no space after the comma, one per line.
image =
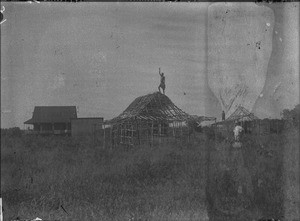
[292,116]
[11,132]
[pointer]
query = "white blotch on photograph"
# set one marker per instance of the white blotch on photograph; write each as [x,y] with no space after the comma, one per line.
[6,111]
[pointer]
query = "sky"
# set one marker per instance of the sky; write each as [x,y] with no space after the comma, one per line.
[101,56]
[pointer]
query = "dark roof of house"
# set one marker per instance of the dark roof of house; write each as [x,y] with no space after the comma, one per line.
[242,113]
[155,106]
[52,114]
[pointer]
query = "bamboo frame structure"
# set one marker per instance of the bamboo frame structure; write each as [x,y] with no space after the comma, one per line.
[149,119]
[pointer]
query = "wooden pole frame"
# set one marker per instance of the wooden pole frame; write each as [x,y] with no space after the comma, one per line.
[110,132]
[104,136]
[181,133]
[152,135]
[159,133]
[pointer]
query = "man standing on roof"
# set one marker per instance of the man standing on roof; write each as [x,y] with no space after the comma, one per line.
[223,115]
[162,82]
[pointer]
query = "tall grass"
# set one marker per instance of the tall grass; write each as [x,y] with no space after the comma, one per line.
[43,176]
[69,179]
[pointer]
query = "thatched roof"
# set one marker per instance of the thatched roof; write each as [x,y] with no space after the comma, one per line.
[52,114]
[243,114]
[155,106]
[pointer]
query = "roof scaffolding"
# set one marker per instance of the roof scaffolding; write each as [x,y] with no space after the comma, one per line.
[155,106]
[242,113]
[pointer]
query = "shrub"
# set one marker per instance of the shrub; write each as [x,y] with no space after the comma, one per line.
[292,116]
[11,132]
[209,132]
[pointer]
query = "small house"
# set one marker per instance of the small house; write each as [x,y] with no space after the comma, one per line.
[52,120]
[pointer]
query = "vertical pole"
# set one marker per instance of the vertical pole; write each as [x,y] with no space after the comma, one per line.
[176,130]
[113,136]
[188,134]
[166,131]
[132,137]
[121,133]
[117,138]
[181,136]
[148,134]
[152,132]
[173,128]
[110,130]
[159,133]
[104,137]
[94,135]
[138,131]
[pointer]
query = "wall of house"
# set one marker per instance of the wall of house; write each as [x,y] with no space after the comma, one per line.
[43,127]
[138,132]
[60,126]
[86,126]
[52,126]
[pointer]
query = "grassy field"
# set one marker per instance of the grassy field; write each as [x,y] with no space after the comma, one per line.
[43,175]
[67,179]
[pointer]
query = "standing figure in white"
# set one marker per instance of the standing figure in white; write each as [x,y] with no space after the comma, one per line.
[237,131]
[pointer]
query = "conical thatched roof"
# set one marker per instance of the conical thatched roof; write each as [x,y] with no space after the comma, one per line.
[243,114]
[155,106]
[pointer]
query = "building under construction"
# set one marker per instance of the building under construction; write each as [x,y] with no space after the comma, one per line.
[250,123]
[149,118]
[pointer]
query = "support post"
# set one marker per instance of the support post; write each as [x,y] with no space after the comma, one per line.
[132,137]
[138,132]
[173,129]
[159,133]
[181,133]
[110,129]
[94,134]
[104,136]
[152,136]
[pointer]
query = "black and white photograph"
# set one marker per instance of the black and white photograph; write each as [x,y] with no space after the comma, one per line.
[150,111]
